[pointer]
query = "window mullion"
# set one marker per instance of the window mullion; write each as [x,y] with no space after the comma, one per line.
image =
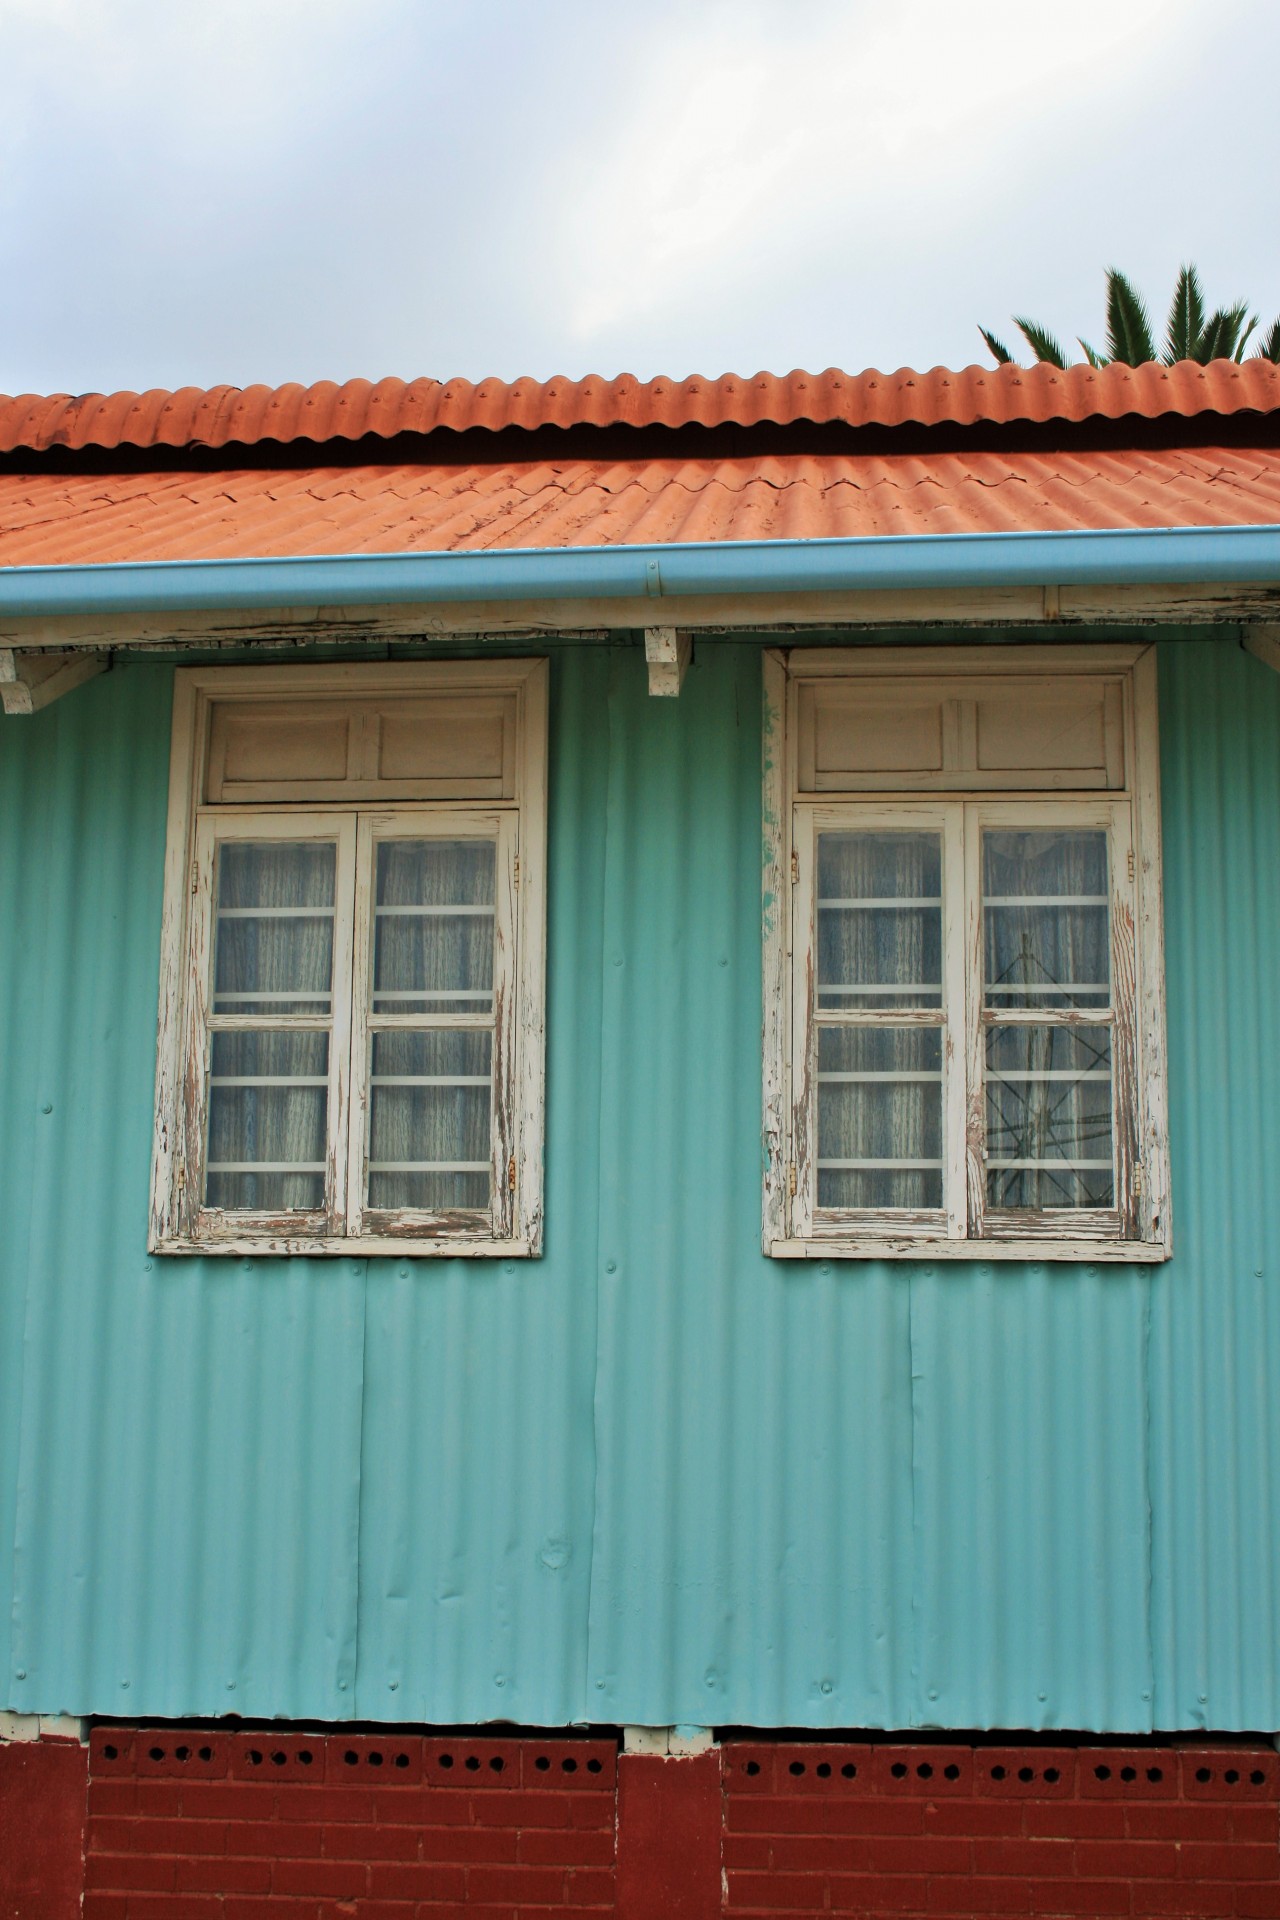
[341,1040]
[356,1119]
[975,1112]
[954,1002]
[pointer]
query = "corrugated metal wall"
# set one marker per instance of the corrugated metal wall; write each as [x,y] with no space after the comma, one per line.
[653,1476]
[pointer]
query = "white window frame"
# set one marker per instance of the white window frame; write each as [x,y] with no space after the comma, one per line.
[179,1223]
[1138,1228]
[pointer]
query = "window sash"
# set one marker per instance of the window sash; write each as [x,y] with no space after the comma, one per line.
[220,829]
[439,823]
[965,1023]
[1118,1221]
[808,1219]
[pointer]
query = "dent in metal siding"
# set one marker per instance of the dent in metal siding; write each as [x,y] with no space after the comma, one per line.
[1215,1333]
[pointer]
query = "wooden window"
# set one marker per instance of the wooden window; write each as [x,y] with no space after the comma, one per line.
[351,1009]
[964,1015]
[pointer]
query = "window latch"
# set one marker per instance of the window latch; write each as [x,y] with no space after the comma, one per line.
[795,867]
[511,1174]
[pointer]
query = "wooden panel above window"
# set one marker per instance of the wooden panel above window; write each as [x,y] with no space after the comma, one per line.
[442,745]
[863,733]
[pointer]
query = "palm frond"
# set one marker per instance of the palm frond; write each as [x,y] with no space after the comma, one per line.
[1128,325]
[1186,317]
[1092,355]
[1041,343]
[1001,353]
[1243,341]
[1268,348]
[1225,331]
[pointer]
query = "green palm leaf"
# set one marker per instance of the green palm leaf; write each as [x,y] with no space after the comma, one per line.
[1003,357]
[1246,329]
[1128,325]
[1042,344]
[1186,317]
[1092,355]
[1225,333]
[1268,348]
[1221,332]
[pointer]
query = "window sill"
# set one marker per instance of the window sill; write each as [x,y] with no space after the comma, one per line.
[381,1246]
[1082,1252]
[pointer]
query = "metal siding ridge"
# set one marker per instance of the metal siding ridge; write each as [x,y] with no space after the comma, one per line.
[1113,556]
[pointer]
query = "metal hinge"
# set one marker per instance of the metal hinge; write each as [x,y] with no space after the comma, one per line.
[195,876]
[517,870]
[1137,1176]
[1132,867]
[795,867]
[511,1174]
[791,1180]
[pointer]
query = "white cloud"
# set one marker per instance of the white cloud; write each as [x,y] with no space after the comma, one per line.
[762,125]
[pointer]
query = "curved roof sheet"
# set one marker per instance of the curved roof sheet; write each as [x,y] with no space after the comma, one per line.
[222,416]
[63,519]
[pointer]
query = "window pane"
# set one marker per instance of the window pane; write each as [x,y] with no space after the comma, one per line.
[879,1106]
[433,927]
[1049,1117]
[429,1120]
[1046,919]
[268,1101]
[273,942]
[879,920]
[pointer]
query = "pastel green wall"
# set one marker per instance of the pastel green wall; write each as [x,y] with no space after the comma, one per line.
[652,1477]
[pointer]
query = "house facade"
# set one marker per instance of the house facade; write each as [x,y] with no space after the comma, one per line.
[638,1086]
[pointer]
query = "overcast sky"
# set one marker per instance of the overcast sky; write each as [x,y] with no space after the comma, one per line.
[197,191]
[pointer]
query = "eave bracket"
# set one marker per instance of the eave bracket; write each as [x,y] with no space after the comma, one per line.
[667,652]
[34,679]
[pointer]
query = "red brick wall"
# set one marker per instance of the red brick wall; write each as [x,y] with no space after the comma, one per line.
[195,1825]
[199,1826]
[931,1831]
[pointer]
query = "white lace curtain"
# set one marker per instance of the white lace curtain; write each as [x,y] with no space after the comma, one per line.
[431,1086]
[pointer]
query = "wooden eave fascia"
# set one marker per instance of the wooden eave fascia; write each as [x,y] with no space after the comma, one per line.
[1062,608]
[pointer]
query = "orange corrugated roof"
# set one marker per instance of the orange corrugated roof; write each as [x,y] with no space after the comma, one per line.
[223,416]
[62,519]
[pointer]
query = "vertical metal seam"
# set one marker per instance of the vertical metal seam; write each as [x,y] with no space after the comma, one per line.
[588,1642]
[1148,1557]
[917,1610]
[358,1504]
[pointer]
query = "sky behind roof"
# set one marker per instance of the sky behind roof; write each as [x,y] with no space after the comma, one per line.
[200,191]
